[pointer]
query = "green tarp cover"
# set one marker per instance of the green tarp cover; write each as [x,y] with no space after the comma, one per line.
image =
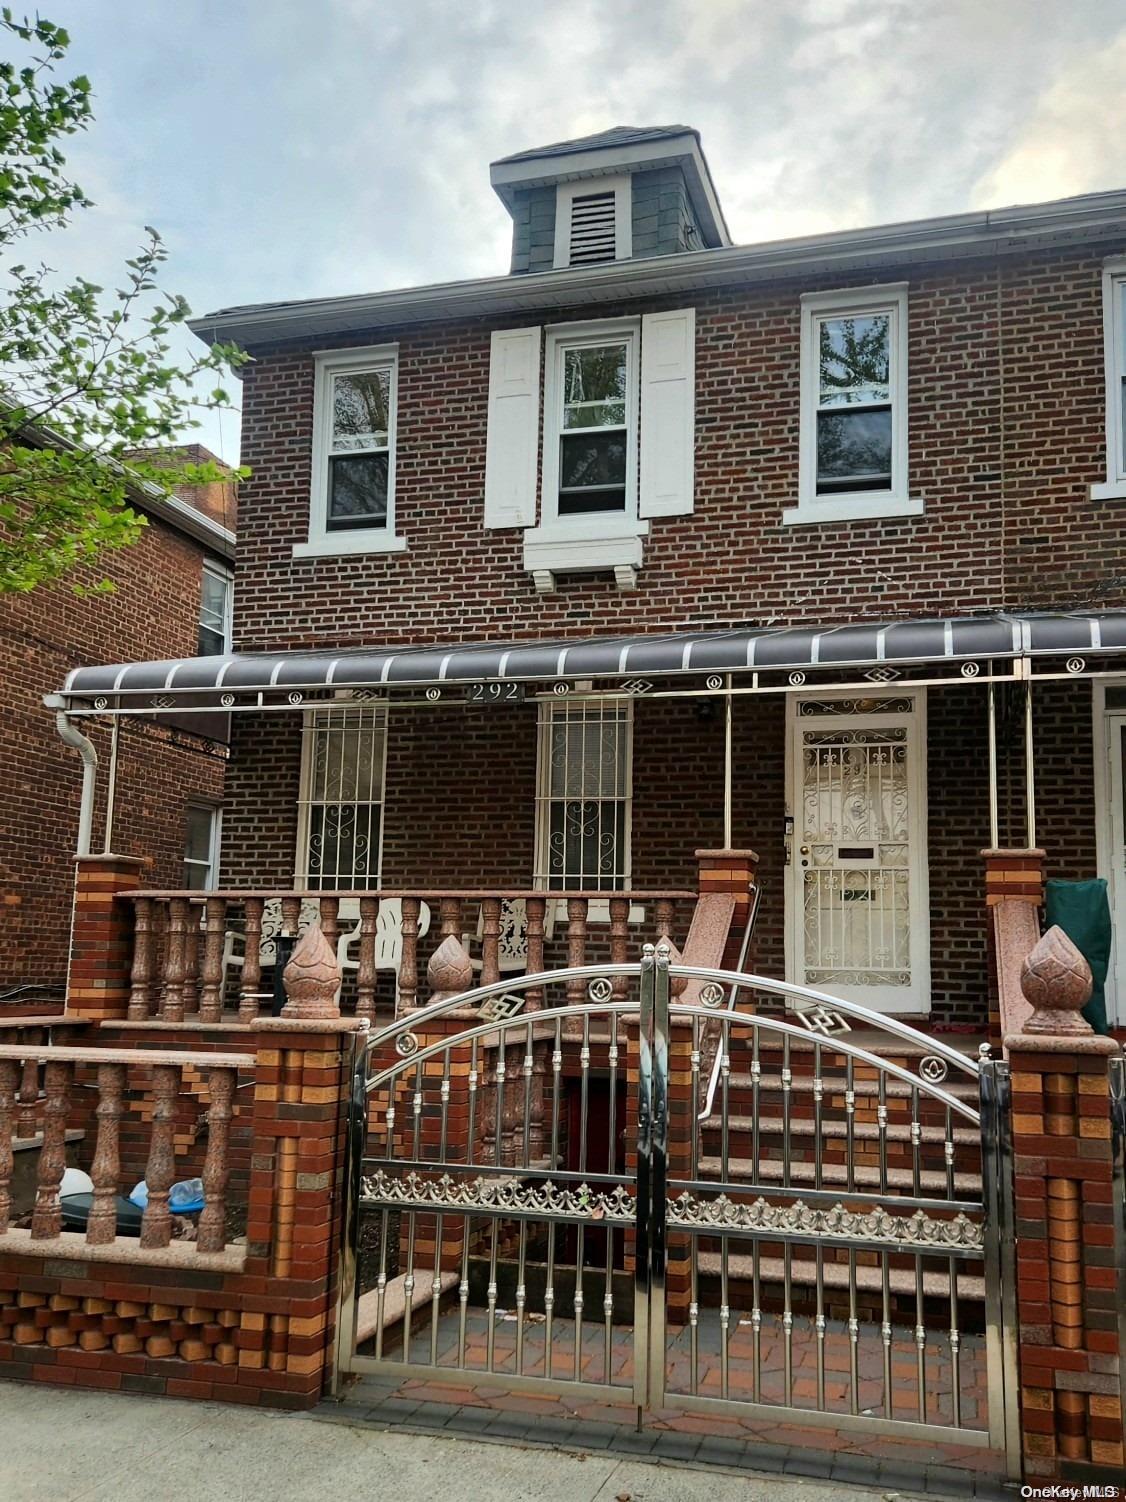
[1082,910]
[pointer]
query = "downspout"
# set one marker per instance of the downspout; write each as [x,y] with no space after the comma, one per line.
[71,736]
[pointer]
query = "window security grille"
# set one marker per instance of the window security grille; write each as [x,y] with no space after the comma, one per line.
[584,797]
[341,804]
[593,228]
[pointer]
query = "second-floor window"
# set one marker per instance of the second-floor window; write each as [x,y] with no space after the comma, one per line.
[590,424]
[352,502]
[853,459]
[215,600]
[1114,323]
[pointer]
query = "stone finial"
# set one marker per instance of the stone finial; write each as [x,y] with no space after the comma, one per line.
[312,978]
[1056,981]
[450,970]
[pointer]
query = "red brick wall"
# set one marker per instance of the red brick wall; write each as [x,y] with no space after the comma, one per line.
[153,612]
[1006,434]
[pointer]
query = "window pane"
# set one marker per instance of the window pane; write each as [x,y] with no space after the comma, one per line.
[357,495]
[854,450]
[359,410]
[198,847]
[588,755]
[585,845]
[854,361]
[594,386]
[210,642]
[343,844]
[592,472]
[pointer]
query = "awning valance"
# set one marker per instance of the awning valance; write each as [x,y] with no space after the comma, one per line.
[876,651]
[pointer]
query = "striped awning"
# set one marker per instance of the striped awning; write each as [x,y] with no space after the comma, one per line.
[889,645]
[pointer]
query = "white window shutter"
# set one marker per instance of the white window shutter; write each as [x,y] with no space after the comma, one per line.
[668,412]
[512,450]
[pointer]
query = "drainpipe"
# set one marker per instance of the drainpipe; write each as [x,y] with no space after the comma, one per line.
[85,748]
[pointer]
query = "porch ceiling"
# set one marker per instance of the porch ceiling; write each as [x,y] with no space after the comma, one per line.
[875,652]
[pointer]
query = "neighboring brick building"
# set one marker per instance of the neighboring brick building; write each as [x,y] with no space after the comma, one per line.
[644,430]
[168,588]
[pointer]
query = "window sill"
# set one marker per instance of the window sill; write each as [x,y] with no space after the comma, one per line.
[585,545]
[1108,490]
[854,509]
[350,545]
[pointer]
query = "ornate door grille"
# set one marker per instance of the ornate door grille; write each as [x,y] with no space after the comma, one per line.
[850,1271]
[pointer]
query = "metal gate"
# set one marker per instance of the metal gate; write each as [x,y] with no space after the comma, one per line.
[623,1181]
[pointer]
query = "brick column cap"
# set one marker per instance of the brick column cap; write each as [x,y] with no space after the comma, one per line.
[1013,854]
[1060,1043]
[310,1025]
[746,855]
[106,858]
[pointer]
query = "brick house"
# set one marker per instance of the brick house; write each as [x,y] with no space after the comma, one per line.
[172,593]
[757,547]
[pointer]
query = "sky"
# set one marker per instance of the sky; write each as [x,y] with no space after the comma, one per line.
[309,148]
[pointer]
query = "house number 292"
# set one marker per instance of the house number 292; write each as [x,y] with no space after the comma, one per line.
[495,693]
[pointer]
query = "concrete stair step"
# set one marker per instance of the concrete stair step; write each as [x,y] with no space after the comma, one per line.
[962,1088]
[936,1284]
[863,1131]
[834,1176]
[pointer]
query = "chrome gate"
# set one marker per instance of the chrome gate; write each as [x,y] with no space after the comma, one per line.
[623,1181]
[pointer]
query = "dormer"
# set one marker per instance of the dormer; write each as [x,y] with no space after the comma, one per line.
[623,194]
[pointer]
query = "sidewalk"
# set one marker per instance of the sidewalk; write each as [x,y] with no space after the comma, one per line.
[63,1446]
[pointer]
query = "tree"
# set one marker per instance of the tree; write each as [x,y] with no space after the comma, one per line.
[87,377]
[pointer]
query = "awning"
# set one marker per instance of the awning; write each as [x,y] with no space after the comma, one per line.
[877,652]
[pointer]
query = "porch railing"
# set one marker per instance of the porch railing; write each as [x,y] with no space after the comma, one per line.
[82,1086]
[204,956]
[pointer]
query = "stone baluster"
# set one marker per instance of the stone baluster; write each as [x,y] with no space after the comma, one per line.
[536,910]
[28,1123]
[665,908]
[312,978]
[576,955]
[449,917]
[141,977]
[191,958]
[47,1217]
[291,916]
[212,1232]
[251,960]
[101,1226]
[215,934]
[156,1223]
[9,1075]
[490,940]
[408,961]
[619,942]
[172,1003]
[365,973]
[330,920]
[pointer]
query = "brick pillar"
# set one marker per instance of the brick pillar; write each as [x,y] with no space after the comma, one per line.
[1014,895]
[294,1227]
[731,871]
[101,937]
[1067,1294]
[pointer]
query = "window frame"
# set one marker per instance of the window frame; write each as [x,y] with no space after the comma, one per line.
[305,800]
[215,814]
[549,710]
[584,187]
[322,542]
[891,299]
[1113,488]
[227,579]
[560,339]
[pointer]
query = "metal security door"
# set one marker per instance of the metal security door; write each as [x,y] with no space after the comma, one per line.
[858,901]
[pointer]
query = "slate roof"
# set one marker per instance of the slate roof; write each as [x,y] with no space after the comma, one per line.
[620,135]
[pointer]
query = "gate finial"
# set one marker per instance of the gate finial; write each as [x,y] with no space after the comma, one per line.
[312,978]
[1056,981]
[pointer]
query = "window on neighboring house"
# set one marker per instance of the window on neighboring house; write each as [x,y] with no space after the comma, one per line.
[352,506]
[853,445]
[593,221]
[590,424]
[340,810]
[215,600]
[1114,326]
[201,848]
[584,798]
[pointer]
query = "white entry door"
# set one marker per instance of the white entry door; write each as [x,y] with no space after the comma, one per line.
[858,921]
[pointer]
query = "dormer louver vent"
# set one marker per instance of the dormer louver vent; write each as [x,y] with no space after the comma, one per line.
[593,229]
